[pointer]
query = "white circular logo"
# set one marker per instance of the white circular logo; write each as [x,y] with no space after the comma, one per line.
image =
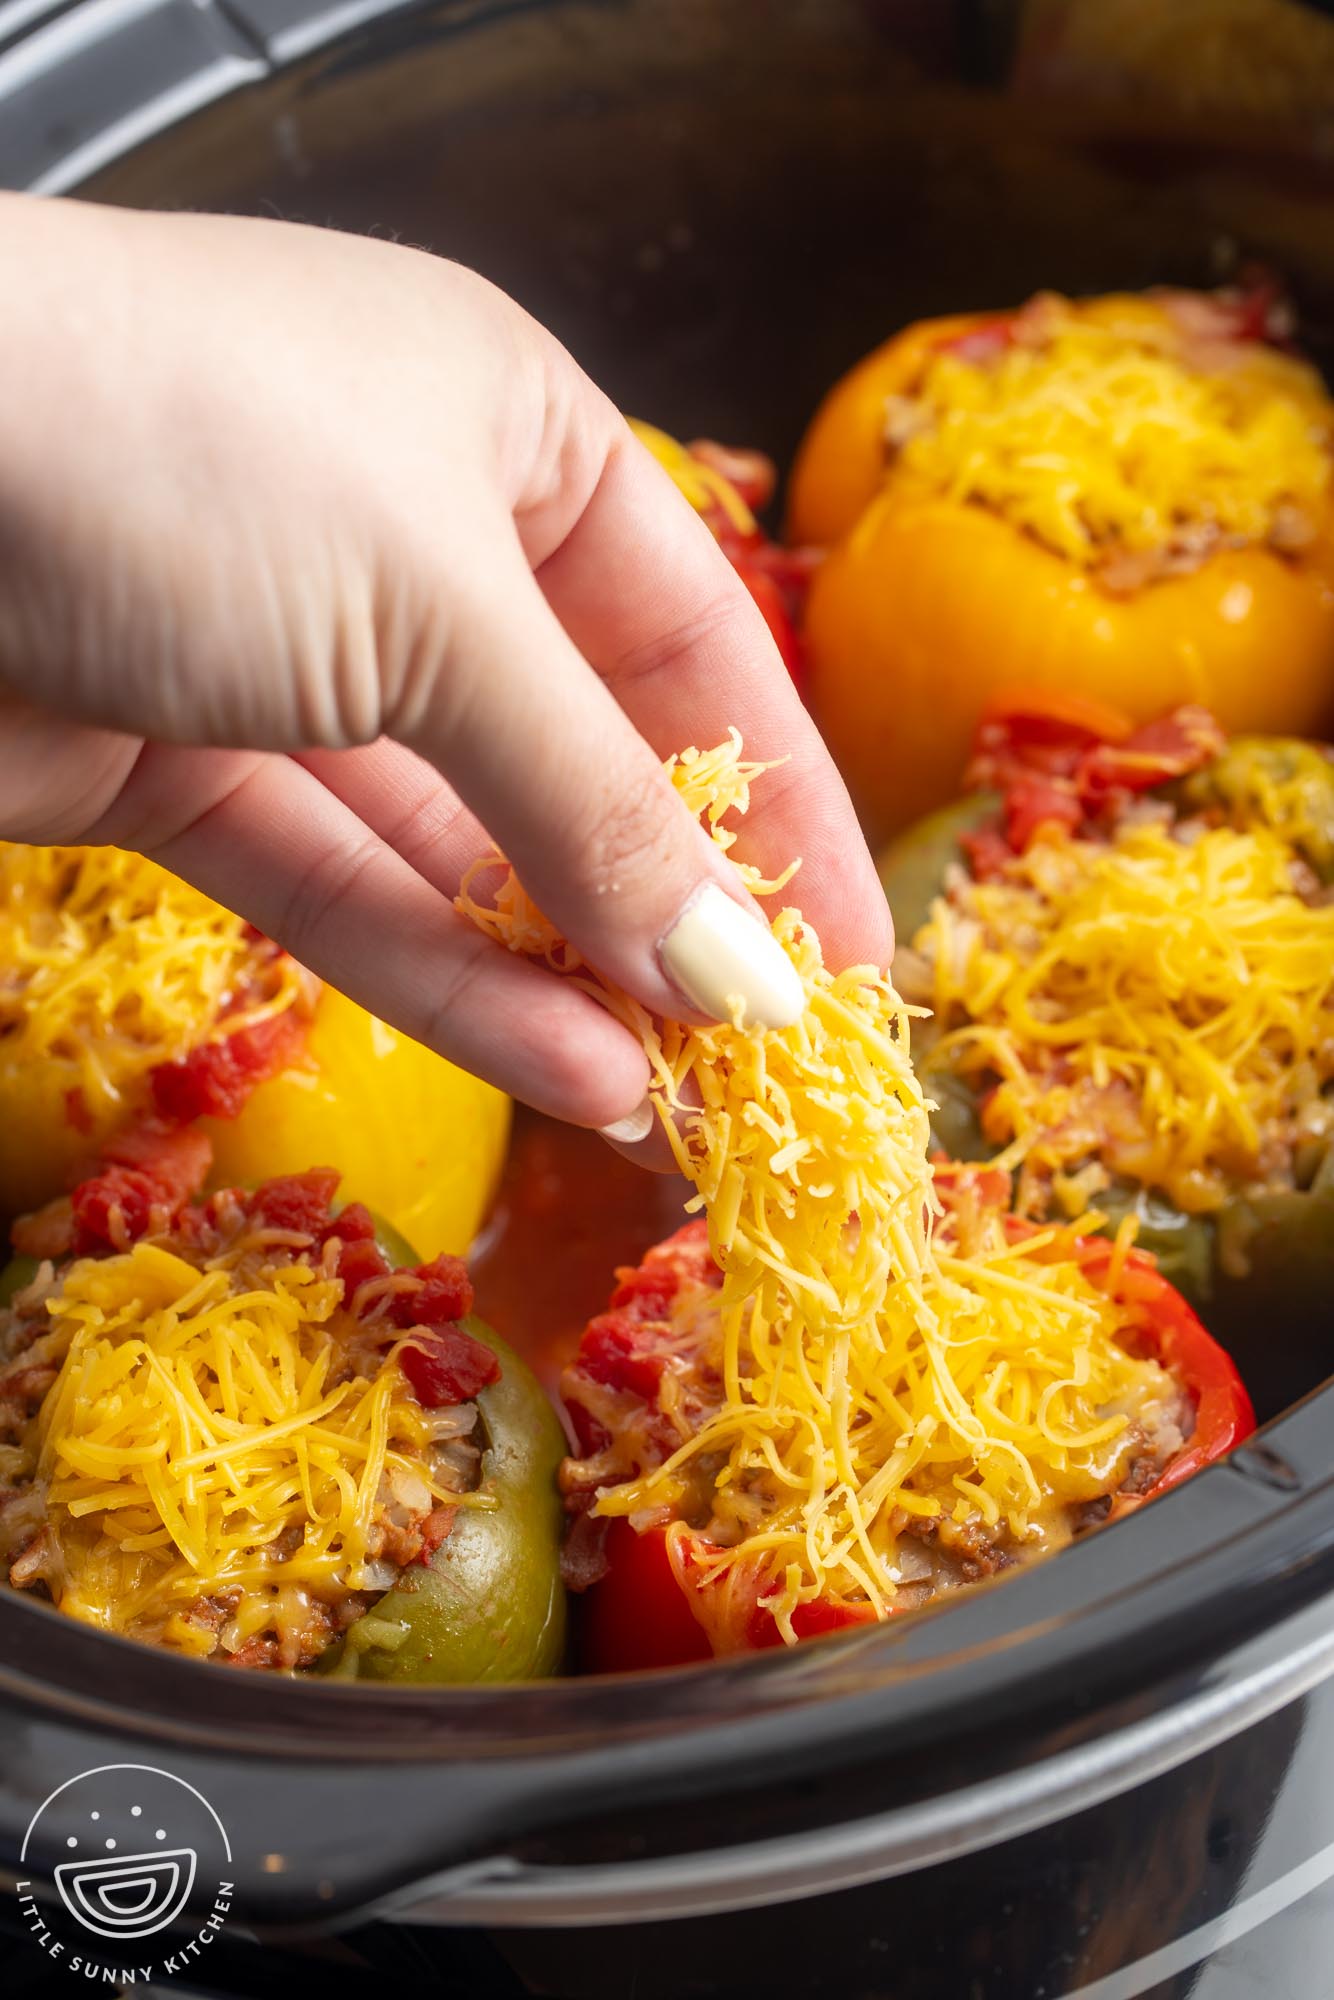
[130,1850]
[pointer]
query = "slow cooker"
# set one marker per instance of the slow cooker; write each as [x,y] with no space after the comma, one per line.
[1110,1777]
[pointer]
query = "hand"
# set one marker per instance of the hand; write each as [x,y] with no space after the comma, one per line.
[322,566]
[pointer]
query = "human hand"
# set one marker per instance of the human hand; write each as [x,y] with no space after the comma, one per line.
[322,568]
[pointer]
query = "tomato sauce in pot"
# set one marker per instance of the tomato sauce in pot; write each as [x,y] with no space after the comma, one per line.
[568,1212]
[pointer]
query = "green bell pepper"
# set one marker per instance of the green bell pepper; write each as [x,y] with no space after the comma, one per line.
[912,867]
[1240,782]
[490,1605]
[17,1273]
[1262,1260]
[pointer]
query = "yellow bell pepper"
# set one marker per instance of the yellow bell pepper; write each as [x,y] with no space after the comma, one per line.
[118,978]
[938,591]
[416,1139]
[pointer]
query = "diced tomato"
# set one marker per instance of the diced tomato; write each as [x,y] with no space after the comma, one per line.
[1061,761]
[1034,803]
[613,1352]
[445,1365]
[647,1290]
[987,852]
[148,1174]
[299,1202]
[1153,755]
[445,1295]
[354,1223]
[359,1262]
[214,1080]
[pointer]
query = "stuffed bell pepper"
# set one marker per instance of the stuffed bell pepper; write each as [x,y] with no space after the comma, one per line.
[126,994]
[1055,1382]
[726,487]
[252,1428]
[1125,497]
[1126,941]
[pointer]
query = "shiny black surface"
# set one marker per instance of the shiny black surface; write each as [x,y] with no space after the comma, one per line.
[1216,1882]
[1137,1620]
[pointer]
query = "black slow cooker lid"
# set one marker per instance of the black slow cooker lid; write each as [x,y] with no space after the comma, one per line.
[717,221]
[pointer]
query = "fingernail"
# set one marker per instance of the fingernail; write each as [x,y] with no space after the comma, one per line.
[717,953]
[629,1131]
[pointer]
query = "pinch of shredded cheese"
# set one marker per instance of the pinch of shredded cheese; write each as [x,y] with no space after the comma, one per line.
[869,1372]
[198,1415]
[1166,1004]
[1095,437]
[109,965]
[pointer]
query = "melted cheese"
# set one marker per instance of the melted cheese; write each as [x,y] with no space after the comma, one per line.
[199,1414]
[1092,438]
[109,966]
[871,1372]
[1166,1004]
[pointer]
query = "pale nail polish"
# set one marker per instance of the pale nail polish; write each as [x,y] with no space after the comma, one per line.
[717,953]
[629,1131]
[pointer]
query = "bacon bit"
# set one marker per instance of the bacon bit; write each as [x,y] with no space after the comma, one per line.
[149,1173]
[434,1530]
[447,1366]
[214,1080]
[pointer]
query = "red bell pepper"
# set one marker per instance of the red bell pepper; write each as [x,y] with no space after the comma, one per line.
[650,1606]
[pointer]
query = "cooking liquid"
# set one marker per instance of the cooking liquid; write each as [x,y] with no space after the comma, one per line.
[568,1212]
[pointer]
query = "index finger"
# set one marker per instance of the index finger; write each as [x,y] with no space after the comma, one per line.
[655,607]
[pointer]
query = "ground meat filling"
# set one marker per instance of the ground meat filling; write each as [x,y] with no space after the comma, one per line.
[378,1319]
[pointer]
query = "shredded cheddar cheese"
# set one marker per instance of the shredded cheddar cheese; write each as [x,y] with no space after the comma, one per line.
[702,484]
[1165,1004]
[109,966]
[872,1370]
[1096,437]
[207,1436]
